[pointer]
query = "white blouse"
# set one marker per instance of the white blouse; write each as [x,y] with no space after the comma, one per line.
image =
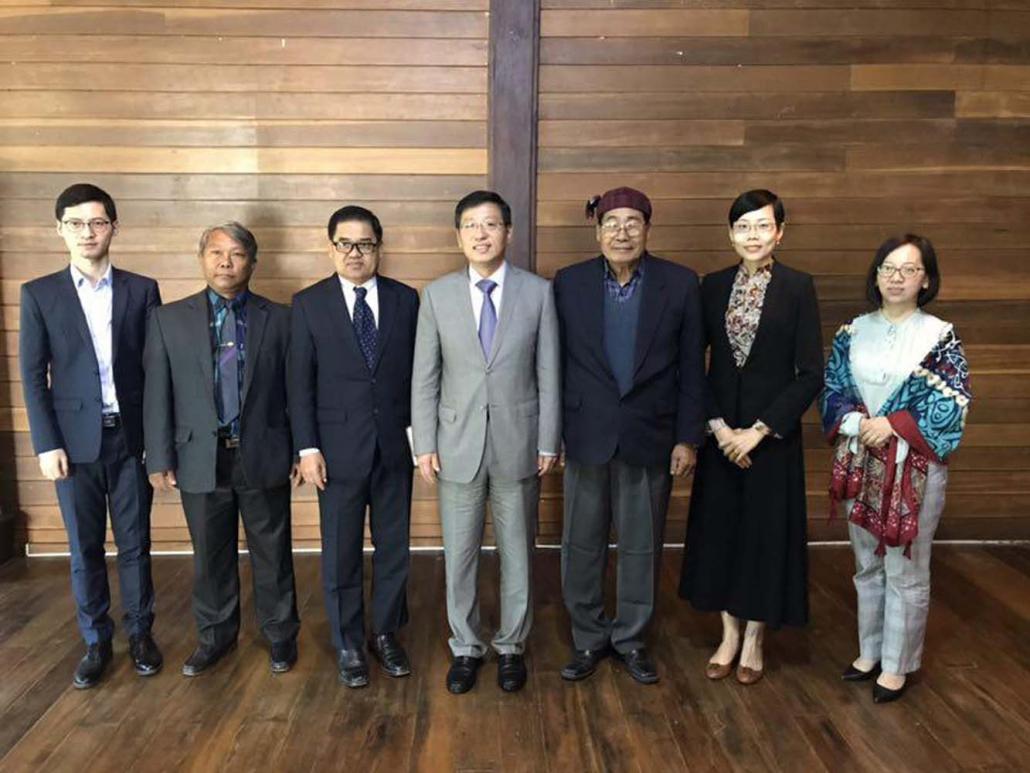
[883,355]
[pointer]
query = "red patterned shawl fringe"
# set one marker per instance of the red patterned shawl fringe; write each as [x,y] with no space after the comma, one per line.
[888,508]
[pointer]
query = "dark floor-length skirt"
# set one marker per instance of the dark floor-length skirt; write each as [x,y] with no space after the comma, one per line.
[746,544]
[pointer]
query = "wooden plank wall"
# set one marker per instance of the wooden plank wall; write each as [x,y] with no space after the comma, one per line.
[868,118]
[197,112]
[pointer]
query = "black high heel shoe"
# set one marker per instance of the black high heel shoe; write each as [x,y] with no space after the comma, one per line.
[883,694]
[852,674]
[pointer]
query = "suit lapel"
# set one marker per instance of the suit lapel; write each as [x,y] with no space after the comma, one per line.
[509,293]
[120,293]
[652,304]
[463,303]
[200,331]
[340,319]
[592,309]
[78,316]
[387,314]
[257,316]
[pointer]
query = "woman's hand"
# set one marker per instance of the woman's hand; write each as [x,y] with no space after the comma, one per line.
[740,445]
[875,432]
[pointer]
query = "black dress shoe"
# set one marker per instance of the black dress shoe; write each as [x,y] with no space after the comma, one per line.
[283,655]
[461,676]
[92,665]
[852,674]
[390,654]
[511,672]
[353,668]
[639,664]
[583,664]
[146,657]
[883,694]
[204,657]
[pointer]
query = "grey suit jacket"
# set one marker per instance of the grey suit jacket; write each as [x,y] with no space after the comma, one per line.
[458,395]
[180,421]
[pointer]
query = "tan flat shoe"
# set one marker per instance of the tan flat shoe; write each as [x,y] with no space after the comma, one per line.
[747,675]
[716,671]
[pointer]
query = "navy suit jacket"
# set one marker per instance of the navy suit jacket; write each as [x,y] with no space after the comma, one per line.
[665,405]
[339,405]
[64,411]
[180,413]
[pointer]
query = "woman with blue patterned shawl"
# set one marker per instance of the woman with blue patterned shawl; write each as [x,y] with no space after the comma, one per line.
[895,404]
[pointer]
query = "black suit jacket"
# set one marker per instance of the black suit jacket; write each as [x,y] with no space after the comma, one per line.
[665,405]
[784,371]
[64,411]
[180,417]
[337,404]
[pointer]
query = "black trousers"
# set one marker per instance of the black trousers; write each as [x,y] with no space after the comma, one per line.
[386,492]
[213,523]
[119,481]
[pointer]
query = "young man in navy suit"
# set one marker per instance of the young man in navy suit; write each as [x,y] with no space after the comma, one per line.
[352,343]
[81,343]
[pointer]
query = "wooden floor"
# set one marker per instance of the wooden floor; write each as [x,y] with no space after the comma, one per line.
[969,709]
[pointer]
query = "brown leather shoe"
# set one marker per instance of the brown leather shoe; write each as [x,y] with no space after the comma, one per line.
[747,675]
[716,671]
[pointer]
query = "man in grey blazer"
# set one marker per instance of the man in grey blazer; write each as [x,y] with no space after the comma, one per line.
[216,427]
[485,412]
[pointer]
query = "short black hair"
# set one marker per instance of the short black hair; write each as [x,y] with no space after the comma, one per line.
[476,198]
[929,257]
[235,231]
[354,212]
[80,193]
[758,198]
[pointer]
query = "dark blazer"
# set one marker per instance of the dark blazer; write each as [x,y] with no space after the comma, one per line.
[665,405]
[64,412]
[784,370]
[336,403]
[180,417]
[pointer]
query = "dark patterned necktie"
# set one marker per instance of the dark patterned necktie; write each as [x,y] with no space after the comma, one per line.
[228,368]
[365,327]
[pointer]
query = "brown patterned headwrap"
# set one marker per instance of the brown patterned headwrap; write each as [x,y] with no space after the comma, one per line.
[616,198]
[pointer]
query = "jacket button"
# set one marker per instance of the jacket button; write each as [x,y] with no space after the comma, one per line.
[375,411]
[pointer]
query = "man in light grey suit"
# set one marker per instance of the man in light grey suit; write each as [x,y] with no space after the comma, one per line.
[485,412]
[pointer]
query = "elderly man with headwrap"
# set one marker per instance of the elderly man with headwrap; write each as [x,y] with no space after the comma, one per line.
[632,368]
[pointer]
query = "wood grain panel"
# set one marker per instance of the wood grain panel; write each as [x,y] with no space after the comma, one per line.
[643,23]
[271,113]
[253,50]
[930,124]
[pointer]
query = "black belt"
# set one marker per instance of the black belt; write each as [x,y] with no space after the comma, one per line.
[110,420]
[228,441]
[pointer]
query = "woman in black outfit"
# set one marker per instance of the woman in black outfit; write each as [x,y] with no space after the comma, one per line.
[746,539]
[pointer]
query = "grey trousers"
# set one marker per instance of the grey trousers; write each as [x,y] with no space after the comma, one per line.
[513,506]
[894,591]
[636,500]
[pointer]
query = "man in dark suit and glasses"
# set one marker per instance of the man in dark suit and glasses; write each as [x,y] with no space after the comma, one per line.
[81,345]
[350,380]
[217,428]
[633,370]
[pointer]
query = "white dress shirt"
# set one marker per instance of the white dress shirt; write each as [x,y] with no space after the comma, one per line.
[96,304]
[883,355]
[350,298]
[371,297]
[478,296]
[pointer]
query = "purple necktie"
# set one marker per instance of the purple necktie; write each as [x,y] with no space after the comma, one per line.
[228,368]
[488,317]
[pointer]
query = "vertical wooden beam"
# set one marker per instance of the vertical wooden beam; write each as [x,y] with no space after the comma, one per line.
[512,120]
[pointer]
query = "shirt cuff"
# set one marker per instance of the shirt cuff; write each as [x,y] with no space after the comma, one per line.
[546,453]
[714,425]
[308,452]
[849,425]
